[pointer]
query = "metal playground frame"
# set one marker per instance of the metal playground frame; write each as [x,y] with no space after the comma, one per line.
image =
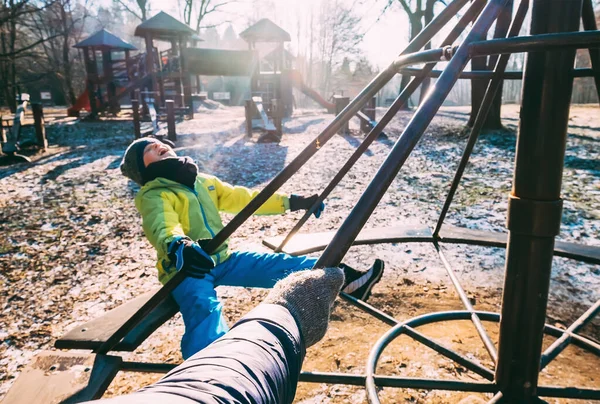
[534,213]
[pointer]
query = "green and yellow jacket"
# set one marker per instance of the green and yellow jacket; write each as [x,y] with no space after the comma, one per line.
[171,211]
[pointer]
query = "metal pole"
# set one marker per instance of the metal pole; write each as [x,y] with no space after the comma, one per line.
[561,343]
[486,105]
[588,18]
[470,15]
[487,341]
[537,43]
[486,74]
[347,233]
[535,207]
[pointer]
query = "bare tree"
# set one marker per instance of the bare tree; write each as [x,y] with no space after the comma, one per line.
[15,44]
[63,22]
[138,8]
[339,39]
[418,17]
[196,11]
[478,87]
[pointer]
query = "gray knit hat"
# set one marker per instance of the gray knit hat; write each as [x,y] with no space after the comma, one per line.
[132,165]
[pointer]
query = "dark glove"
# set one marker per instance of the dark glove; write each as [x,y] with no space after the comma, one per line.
[190,257]
[298,202]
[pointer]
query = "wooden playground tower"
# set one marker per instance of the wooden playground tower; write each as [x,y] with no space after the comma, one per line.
[166,73]
[269,80]
[155,75]
[533,221]
[105,72]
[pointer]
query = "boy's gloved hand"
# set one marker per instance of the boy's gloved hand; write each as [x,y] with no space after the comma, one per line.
[298,202]
[190,257]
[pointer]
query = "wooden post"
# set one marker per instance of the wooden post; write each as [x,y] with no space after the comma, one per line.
[171,132]
[130,75]
[340,103]
[150,64]
[185,79]
[91,71]
[111,87]
[135,106]
[38,123]
[249,114]
[277,115]
[369,111]
[2,134]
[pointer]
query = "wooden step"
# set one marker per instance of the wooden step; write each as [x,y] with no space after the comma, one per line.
[93,333]
[63,377]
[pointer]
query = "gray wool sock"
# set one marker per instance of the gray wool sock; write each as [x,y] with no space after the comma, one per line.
[309,296]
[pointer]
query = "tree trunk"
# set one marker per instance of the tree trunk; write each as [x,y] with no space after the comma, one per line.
[428,17]
[415,28]
[478,87]
[68,76]
[11,88]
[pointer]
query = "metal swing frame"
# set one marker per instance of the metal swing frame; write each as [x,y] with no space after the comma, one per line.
[534,206]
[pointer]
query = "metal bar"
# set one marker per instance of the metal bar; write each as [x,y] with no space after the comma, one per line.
[535,207]
[588,17]
[143,367]
[398,103]
[399,382]
[486,105]
[497,399]
[485,74]
[369,91]
[487,342]
[537,43]
[456,357]
[348,231]
[378,314]
[560,344]
[569,392]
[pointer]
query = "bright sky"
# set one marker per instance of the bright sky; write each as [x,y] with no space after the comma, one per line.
[383,41]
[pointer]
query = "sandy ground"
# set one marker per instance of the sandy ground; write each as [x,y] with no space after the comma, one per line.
[73,246]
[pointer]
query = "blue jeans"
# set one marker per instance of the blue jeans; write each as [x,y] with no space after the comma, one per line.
[197,299]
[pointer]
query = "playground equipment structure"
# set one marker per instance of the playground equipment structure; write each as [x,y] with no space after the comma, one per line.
[10,129]
[272,83]
[104,85]
[533,221]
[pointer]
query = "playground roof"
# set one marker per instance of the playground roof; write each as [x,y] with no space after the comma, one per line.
[265,30]
[275,54]
[165,27]
[103,38]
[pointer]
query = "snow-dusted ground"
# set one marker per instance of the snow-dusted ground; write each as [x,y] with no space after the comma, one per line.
[72,244]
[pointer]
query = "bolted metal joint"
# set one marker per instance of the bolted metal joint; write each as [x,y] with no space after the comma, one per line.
[448,52]
[534,217]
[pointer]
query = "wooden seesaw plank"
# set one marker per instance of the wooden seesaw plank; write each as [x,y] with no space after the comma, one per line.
[302,244]
[307,243]
[580,252]
[63,377]
[93,333]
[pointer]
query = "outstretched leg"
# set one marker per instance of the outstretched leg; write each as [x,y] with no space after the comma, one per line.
[260,359]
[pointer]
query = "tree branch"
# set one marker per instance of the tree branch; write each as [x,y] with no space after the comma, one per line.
[126,7]
[33,45]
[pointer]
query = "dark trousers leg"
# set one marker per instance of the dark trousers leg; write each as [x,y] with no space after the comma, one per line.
[258,361]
